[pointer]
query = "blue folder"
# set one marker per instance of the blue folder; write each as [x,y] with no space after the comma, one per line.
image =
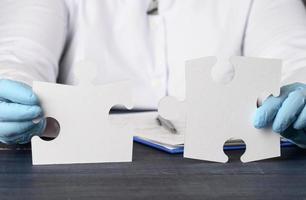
[179,150]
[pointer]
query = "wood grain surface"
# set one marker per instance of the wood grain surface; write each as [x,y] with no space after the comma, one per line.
[155,175]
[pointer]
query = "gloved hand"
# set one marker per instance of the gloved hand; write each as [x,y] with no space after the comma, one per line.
[18,107]
[286,113]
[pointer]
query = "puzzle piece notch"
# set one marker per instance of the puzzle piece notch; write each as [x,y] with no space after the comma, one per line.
[87,134]
[212,116]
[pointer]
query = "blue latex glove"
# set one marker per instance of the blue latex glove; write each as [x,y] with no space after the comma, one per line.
[286,113]
[18,107]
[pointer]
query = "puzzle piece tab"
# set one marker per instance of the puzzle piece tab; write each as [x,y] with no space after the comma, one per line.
[216,112]
[86,133]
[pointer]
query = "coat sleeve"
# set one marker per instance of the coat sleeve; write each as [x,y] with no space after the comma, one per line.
[32,37]
[277,29]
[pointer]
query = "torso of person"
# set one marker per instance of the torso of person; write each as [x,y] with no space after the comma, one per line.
[150,50]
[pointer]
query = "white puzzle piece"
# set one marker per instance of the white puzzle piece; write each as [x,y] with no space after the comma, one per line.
[216,112]
[86,133]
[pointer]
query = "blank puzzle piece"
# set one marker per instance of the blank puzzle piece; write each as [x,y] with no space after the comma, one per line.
[86,133]
[216,112]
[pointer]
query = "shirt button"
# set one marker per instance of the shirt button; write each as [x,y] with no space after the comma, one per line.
[155,21]
[156,83]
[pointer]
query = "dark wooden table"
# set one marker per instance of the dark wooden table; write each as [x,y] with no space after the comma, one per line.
[155,175]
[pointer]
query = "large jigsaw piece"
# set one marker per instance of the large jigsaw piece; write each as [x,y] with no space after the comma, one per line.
[216,112]
[86,133]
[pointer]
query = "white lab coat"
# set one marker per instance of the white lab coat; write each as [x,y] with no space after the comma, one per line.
[44,39]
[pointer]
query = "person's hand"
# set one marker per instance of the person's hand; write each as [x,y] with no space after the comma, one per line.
[286,113]
[19,106]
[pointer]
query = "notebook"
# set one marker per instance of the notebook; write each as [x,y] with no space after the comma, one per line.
[148,132]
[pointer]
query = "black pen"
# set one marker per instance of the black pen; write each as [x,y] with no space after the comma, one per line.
[167,124]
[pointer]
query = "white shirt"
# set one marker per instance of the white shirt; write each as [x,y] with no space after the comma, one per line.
[44,39]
